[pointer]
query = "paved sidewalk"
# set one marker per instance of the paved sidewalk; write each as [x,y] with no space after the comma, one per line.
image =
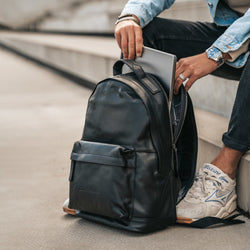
[42,114]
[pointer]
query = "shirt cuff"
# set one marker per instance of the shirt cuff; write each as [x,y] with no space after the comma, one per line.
[228,44]
[236,53]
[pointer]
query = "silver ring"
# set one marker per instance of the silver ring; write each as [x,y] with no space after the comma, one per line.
[183,78]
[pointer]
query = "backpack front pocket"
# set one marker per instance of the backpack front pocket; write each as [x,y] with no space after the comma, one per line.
[102,179]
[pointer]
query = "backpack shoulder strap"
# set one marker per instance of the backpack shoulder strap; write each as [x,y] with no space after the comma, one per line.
[210,221]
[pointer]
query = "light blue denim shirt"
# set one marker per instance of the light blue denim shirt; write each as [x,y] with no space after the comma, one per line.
[231,40]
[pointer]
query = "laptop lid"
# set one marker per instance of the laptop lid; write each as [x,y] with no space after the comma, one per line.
[160,64]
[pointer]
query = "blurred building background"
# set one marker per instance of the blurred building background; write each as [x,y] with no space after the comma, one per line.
[82,15]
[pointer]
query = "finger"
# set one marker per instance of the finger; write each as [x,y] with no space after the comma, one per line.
[131,44]
[180,67]
[138,41]
[118,38]
[124,44]
[179,64]
[190,82]
[179,81]
[177,85]
[179,70]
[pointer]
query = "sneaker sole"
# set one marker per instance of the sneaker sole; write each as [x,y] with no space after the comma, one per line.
[223,213]
[184,220]
[69,211]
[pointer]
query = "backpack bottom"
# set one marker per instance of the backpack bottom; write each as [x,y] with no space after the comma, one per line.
[138,225]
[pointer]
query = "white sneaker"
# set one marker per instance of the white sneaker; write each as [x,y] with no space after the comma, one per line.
[212,194]
[68,210]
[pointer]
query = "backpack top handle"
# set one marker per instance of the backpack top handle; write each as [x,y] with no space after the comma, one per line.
[143,78]
[135,67]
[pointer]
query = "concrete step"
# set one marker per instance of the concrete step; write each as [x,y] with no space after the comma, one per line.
[88,57]
[91,58]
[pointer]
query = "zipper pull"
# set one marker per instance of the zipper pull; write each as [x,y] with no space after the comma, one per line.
[127,154]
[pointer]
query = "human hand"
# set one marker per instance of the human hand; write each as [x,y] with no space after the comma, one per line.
[193,68]
[128,35]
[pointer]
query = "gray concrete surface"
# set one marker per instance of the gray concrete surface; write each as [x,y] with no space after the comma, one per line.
[42,114]
[92,58]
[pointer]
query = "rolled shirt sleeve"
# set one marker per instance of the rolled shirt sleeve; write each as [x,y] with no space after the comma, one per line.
[235,41]
[146,10]
[235,54]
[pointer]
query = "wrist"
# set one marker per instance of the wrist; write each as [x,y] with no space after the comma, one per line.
[216,55]
[127,17]
[137,18]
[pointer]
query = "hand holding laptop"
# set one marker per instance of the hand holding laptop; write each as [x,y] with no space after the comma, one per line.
[160,64]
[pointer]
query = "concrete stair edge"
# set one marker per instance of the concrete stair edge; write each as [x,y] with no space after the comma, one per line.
[63,59]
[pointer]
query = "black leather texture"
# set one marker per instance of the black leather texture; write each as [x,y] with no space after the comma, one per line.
[130,166]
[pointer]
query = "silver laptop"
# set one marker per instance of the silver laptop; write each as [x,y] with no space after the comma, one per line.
[160,64]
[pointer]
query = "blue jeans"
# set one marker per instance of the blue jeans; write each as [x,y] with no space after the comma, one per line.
[184,38]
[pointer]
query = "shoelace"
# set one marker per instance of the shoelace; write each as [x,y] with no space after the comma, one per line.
[203,185]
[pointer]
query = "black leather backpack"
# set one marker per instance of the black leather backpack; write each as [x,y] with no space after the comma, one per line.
[135,159]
